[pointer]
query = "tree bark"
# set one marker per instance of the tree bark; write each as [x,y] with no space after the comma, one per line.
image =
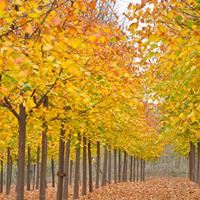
[90,167]
[9,171]
[124,178]
[137,161]
[66,178]
[71,172]
[38,168]
[1,176]
[21,152]
[119,165]
[84,178]
[109,166]
[61,164]
[34,173]
[53,172]
[43,171]
[198,163]
[134,172]
[98,164]
[131,169]
[104,178]
[29,169]
[192,161]
[77,170]
[115,165]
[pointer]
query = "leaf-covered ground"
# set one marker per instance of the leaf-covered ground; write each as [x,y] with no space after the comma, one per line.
[152,189]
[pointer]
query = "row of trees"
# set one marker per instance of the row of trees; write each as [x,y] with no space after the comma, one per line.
[168,38]
[67,83]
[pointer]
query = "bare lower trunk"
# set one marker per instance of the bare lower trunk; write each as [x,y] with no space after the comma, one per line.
[1,177]
[137,161]
[98,165]
[119,165]
[43,171]
[29,169]
[109,166]
[115,165]
[84,175]
[66,178]
[198,163]
[77,170]
[21,152]
[124,178]
[131,169]
[53,172]
[104,178]
[38,168]
[71,172]
[9,171]
[90,167]
[192,162]
[61,164]
[34,173]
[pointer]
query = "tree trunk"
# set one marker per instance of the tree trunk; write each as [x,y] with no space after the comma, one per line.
[53,172]
[124,178]
[84,178]
[98,165]
[115,165]
[77,170]
[109,166]
[137,161]
[131,169]
[61,164]
[34,172]
[104,178]
[29,169]
[192,161]
[9,171]
[38,168]
[21,152]
[71,172]
[1,176]
[43,171]
[141,169]
[119,166]
[90,167]
[134,172]
[66,178]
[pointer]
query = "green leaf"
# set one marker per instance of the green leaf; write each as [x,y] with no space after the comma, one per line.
[189,23]
[178,19]
[26,87]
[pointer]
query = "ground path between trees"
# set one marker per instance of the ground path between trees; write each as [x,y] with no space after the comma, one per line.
[151,189]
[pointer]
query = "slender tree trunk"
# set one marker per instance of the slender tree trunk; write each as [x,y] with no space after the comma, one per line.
[61,164]
[192,161]
[66,178]
[198,163]
[109,166]
[137,161]
[1,176]
[98,165]
[131,169]
[21,152]
[53,172]
[77,170]
[119,166]
[104,178]
[29,169]
[71,172]
[124,178]
[34,173]
[38,168]
[115,165]
[43,171]
[90,167]
[84,178]
[141,169]
[9,171]
[134,172]
[143,177]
